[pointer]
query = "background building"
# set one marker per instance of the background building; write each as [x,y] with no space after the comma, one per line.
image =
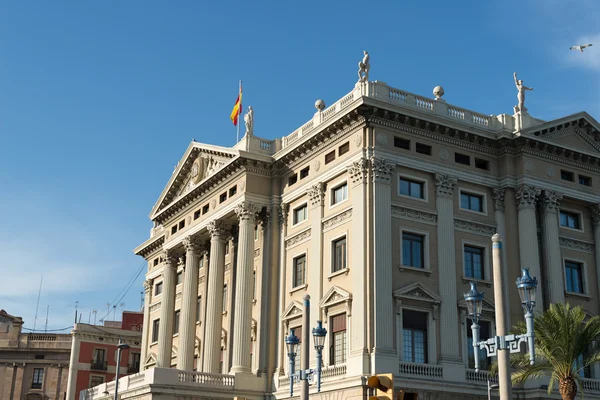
[381,207]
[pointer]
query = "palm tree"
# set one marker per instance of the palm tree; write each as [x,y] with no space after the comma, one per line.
[564,346]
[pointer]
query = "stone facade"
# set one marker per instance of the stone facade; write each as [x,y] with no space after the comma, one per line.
[382,208]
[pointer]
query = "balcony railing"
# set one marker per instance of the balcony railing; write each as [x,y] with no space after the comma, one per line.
[133,368]
[480,377]
[417,370]
[98,365]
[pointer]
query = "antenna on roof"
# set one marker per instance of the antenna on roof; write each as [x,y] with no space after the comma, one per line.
[94,312]
[38,303]
[47,311]
[142,300]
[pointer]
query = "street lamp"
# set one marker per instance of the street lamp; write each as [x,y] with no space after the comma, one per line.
[120,347]
[490,387]
[527,288]
[319,334]
[291,342]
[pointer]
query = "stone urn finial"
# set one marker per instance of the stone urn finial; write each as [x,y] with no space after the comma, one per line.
[438,92]
[320,105]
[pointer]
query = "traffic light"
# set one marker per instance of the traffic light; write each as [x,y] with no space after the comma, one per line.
[383,385]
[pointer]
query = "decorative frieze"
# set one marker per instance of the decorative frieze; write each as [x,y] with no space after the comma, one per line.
[474,227]
[415,215]
[154,307]
[337,219]
[382,170]
[445,185]
[574,244]
[526,196]
[316,194]
[498,195]
[297,239]
[551,201]
[358,171]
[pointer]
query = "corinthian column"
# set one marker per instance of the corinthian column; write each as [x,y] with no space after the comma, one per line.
[187,336]
[214,299]
[167,310]
[529,253]
[242,324]
[446,254]
[384,356]
[555,287]
[146,324]
[498,196]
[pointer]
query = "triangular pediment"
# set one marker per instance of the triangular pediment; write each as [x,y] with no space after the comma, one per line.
[199,162]
[579,132]
[335,295]
[293,310]
[417,291]
[151,359]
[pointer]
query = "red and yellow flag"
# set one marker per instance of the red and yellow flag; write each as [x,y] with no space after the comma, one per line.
[237,108]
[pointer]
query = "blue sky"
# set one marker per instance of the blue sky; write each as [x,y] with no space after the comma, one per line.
[99,100]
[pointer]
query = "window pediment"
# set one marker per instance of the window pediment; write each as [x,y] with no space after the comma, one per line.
[336,296]
[293,310]
[417,292]
[151,359]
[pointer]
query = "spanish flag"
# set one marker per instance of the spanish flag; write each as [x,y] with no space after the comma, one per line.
[237,108]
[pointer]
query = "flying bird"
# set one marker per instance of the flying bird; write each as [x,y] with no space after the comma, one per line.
[580,47]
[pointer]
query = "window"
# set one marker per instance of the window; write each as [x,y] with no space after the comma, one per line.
[182,224]
[339,254]
[174,229]
[574,273]
[39,356]
[570,220]
[38,378]
[339,340]
[176,322]
[482,164]
[225,298]
[198,309]
[339,194]
[134,366]
[196,215]
[411,188]
[343,149]
[255,232]
[298,334]
[585,372]
[292,179]
[98,360]
[485,332]
[469,201]
[233,191]
[227,248]
[304,172]
[205,209]
[299,271]
[223,197]
[254,285]
[179,278]
[201,262]
[414,336]
[402,143]
[412,250]
[329,157]
[462,159]
[155,262]
[473,259]
[155,326]
[158,288]
[567,175]
[585,180]
[96,380]
[423,149]
[300,214]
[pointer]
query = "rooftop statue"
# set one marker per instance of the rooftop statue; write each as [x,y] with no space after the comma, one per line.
[521,95]
[363,68]
[249,120]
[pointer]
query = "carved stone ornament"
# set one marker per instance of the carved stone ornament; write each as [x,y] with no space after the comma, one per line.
[171,257]
[445,184]
[242,186]
[338,219]
[358,140]
[147,285]
[498,198]
[474,227]
[198,171]
[381,138]
[246,211]
[576,244]
[526,196]
[358,170]
[382,170]
[416,215]
[297,239]
[316,165]
[192,244]
[316,194]
[551,201]
[217,228]
[444,155]
[213,204]
[284,210]
[550,171]
[529,165]
[595,210]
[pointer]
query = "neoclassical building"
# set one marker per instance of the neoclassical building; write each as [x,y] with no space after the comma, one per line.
[381,207]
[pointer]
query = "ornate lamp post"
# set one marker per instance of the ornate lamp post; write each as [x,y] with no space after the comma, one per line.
[120,347]
[291,342]
[319,334]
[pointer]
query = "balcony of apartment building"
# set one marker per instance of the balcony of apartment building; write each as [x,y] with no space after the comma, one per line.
[133,368]
[98,365]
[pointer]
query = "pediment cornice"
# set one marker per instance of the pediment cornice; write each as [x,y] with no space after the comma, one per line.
[417,292]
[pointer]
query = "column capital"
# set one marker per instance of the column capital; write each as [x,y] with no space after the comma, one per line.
[498,198]
[170,257]
[217,229]
[264,217]
[358,171]
[316,194]
[283,209]
[551,201]
[595,210]
[148,285]
[382,170]
[192,244]
[246,211]
[526,196]
[445,185]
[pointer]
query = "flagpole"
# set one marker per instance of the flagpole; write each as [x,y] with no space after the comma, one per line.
[239,113]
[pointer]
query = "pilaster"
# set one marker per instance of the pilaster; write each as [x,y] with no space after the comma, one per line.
[284,209]
[498,197]
[595,211]
[554,282]
[167,310]
[214,299]
[264,288]
[148,284]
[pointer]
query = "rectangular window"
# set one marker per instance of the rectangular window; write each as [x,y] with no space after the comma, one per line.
[574,273]
[158,288]
[339,194]
[205,209]
[292,179]
[304,172]
[176,322]
[233,191]
[585,180]
[223,197]
[254,285]
[174,229]
[39,356]
[182,224]
[99,360]
[401,143]
[585,372]
[155,262]
[485,332]
[329,157]
[412,250]
[339,254]
[414,336]
[474,262]
[423,149]
[567,175]
[570,220]
[469,201]
[227,248]
[298,334]
[134,367]
[343,149]
[338,349]
[482,164]
[96,380]
[201,262]
[179,278]
[199,309]
[225,298]
[462,159]
[196,215]
[155,325]
[411,188]
[255,232]
[299,271]
[300,214]
[38,378]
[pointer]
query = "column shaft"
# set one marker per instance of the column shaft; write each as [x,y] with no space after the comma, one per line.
[246,213]
[555,288]
[167,311]
[146,324]
[499,216]
[187,336]
[316,195]
[264,287]
[214,298]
